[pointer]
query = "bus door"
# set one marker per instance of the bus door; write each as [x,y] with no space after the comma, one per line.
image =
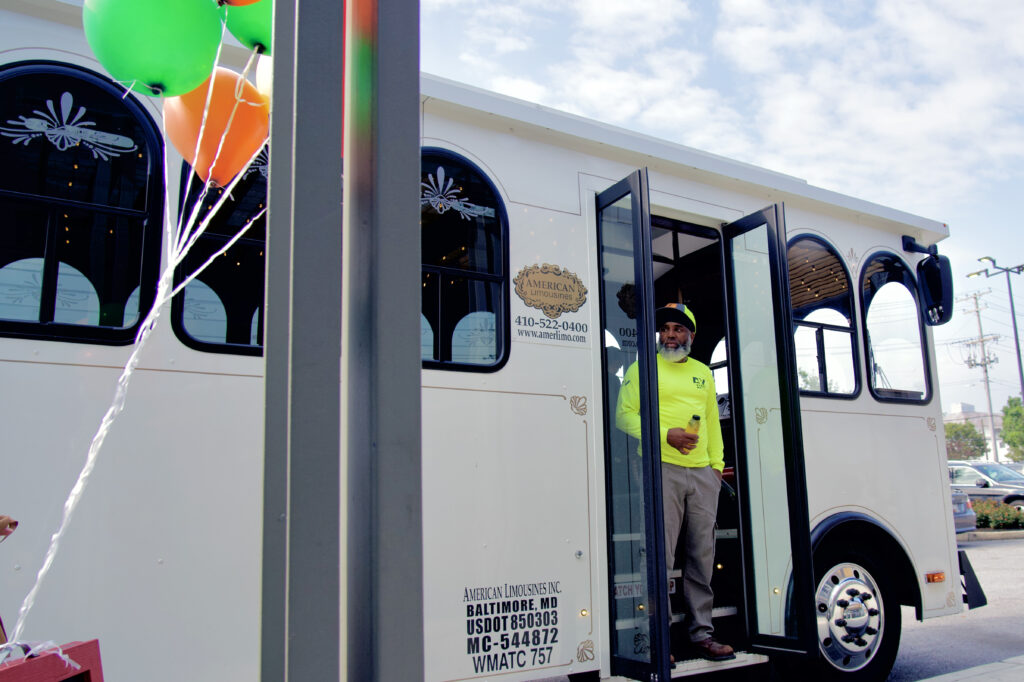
[639,612]
[775,536]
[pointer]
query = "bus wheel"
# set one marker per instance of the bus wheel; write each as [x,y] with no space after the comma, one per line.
[858,618]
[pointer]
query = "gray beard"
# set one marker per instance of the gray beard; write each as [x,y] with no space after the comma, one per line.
[677,354]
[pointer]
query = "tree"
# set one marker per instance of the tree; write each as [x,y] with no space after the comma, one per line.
[1013,428]
[812,382]
[963,441]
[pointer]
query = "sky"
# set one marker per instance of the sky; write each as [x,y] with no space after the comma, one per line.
[912,104]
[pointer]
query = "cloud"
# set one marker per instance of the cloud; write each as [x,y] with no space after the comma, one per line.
[911,100]
[758,37]
[632,64]
[521,88]
[912,103]
[619,28]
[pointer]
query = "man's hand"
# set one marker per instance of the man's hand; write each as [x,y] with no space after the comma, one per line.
[717,473]
[7,526]
[681,440]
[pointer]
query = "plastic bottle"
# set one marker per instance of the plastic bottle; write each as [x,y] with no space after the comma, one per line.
[694,425]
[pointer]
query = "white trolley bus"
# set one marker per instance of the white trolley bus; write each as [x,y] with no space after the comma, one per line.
[547,240]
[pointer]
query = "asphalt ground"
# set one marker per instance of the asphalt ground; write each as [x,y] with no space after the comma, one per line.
[985,643]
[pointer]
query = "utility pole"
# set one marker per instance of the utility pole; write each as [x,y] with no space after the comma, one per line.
[1017,269]
[984,362]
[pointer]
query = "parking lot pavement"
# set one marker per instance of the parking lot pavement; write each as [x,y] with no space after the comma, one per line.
[975,535]
[1010,670]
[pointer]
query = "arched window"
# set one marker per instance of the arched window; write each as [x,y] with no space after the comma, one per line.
[221,310]
[81,192]
[719,366]
[465,266]
[895,352]
[823,316]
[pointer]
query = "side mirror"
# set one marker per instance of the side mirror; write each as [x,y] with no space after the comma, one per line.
[935,284]
[981,483]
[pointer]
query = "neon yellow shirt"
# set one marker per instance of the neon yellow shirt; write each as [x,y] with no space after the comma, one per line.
[684,389]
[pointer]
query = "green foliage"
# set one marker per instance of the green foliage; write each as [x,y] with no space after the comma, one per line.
[963,441]
[997,515]
[1013,428]
[812,382]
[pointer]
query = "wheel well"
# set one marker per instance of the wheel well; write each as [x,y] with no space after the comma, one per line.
[1013,497]
[863,533]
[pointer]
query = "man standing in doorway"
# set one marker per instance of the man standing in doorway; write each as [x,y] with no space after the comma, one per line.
[691,463]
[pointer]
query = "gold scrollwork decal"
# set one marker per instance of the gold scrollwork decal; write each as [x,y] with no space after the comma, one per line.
[931,424]
[585,651]
[578,404]
[550,289]
[761,414]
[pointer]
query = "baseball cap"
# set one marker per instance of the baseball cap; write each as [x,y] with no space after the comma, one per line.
[676,312]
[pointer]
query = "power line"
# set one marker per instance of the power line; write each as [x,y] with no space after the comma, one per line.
[984,360]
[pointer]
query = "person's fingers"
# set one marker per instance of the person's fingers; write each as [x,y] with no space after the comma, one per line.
[7,525]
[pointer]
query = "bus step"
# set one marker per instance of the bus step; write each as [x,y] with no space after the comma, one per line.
[698,666]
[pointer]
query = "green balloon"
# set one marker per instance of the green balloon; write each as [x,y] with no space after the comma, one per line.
[252,24]
[156,47]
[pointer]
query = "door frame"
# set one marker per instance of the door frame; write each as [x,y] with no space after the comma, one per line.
[801,635]
[657,667]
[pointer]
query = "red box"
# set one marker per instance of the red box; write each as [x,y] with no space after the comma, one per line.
[49,667]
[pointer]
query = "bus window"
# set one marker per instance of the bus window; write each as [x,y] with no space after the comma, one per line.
[895,351]
[426,339]
[465,266]
[221,310]
[822,300]
[81,186]
[719,366]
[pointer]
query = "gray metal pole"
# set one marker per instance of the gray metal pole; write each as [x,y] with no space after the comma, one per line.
[381,331]
[301,523]
[988,390]
[1016,339]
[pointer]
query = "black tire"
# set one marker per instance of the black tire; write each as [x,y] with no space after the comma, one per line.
[1017,503]
[858,616]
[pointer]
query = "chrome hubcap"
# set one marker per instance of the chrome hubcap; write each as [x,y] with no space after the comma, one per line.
[850,616]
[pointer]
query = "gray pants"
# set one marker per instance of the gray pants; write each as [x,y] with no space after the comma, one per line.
[690,498]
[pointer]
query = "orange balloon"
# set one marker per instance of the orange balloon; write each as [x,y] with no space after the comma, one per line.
[183,116]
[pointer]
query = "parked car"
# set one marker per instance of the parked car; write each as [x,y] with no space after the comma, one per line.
[988,481]
[964,518]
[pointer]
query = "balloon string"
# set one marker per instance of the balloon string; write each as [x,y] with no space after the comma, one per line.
[116,407]
[201,228]
[164,293]
[127,88]
[188,234]
[219,252]
[239,85]
[180,233]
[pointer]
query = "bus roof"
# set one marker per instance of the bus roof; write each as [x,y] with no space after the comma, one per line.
[659,154]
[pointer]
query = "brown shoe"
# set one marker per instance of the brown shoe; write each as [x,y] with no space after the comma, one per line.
[713,651]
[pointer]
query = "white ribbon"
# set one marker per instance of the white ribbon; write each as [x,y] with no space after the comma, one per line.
[33,649]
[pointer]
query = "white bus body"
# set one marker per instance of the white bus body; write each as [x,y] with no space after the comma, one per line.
[162,562]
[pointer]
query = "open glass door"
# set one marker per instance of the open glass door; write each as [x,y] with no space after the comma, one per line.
[765,403]
[638,578]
